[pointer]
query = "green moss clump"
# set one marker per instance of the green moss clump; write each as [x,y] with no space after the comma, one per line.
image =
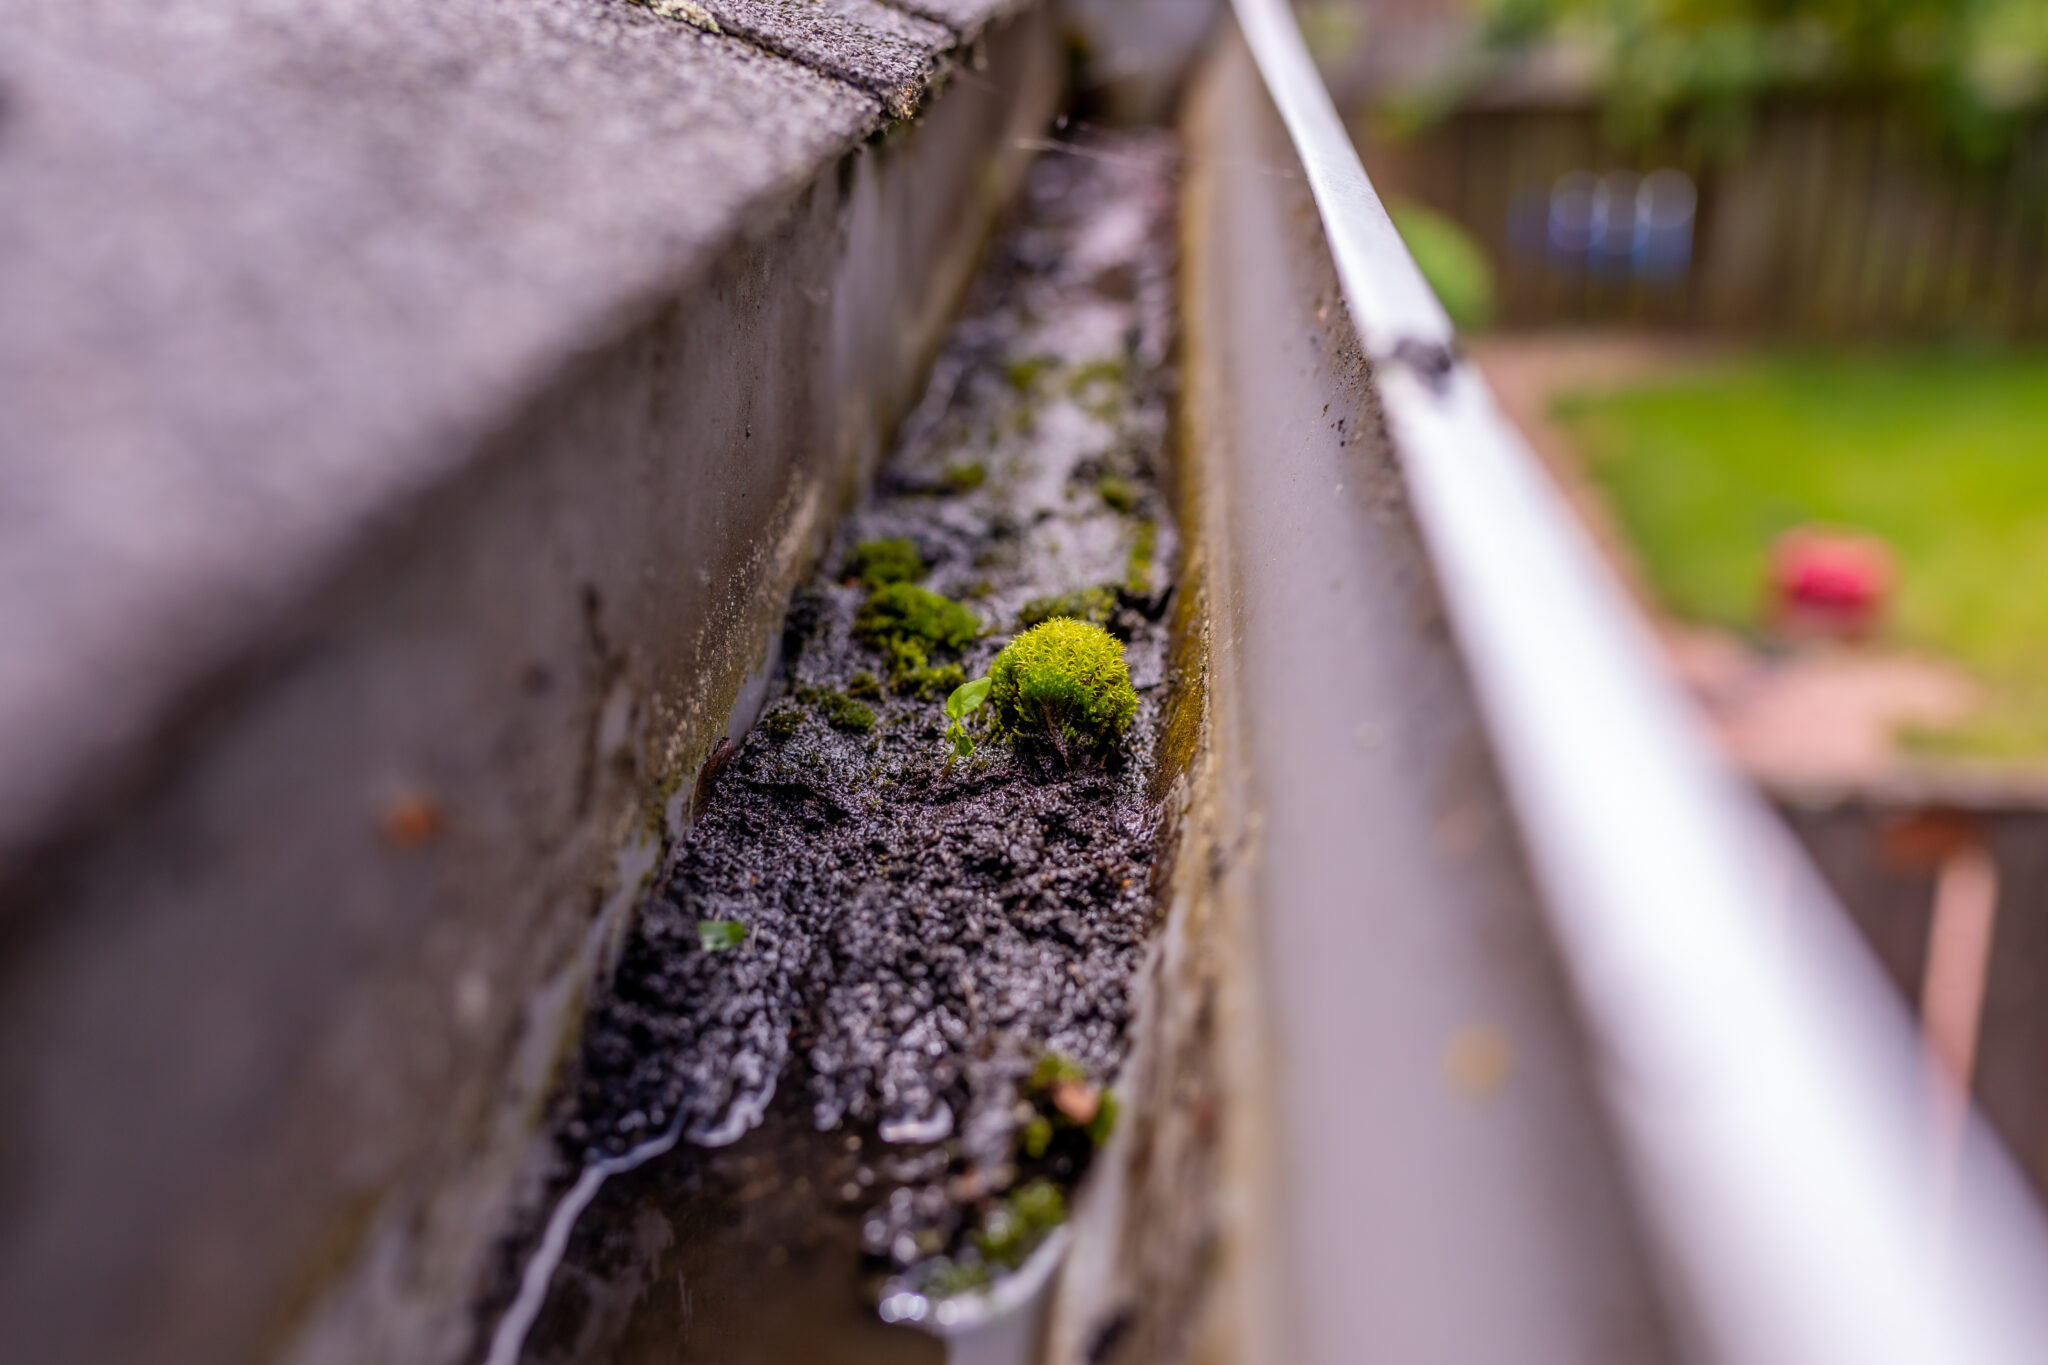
[1012,1230]
[864,685]
[953,1278]
[1094,605]
[964,477]
[1138,570]
[844,713]
[1118,494]
[1036,1137]
[932,682]
[783,724]
[1104,1122]
[1023,374]
[877,563]
[1065,682]
[910,624]
[1056,1068]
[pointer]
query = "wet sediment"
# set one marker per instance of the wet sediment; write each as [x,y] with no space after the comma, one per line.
[884,990]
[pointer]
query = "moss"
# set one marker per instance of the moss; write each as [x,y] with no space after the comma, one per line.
[844,713]
[1065,682]
[863,685]
[964,477]
[1118,494]
[931,682]
[1056,1068]
[910,624]
[1180,731]
[1036,1136]
[1012,1230]
[877,563]
[1023,374]
[1104,1122]
[1094,605]
[958,1277]
[688,11]
[1101,388]
[1138,569]
[783,724]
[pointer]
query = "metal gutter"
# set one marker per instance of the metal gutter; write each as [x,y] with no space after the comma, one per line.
[1770,1096]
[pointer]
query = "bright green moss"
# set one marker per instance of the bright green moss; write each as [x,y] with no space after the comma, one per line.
[1094,605]
[876,563]
[1064,682]
[910,624]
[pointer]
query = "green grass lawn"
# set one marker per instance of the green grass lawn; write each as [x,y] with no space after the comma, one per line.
[1944,455]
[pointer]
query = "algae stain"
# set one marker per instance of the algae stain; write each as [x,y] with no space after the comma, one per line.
[686,11]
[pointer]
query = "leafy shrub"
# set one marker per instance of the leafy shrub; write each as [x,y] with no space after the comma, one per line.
[1974,70]
[1452,262]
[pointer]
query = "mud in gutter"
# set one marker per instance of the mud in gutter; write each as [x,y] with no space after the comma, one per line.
[881,1001]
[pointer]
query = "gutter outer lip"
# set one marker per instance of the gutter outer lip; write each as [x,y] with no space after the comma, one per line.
[1765,1080]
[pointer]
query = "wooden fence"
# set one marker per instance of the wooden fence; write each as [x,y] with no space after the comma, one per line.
[1834,220]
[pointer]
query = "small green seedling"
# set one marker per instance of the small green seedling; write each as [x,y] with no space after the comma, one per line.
[965,701]
[717,935]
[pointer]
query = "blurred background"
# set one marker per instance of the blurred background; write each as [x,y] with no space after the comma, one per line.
[1765,282]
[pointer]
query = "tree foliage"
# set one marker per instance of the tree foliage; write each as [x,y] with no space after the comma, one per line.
[1975,70]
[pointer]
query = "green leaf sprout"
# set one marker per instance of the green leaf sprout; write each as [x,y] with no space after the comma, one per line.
[965,701]
[716,935]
